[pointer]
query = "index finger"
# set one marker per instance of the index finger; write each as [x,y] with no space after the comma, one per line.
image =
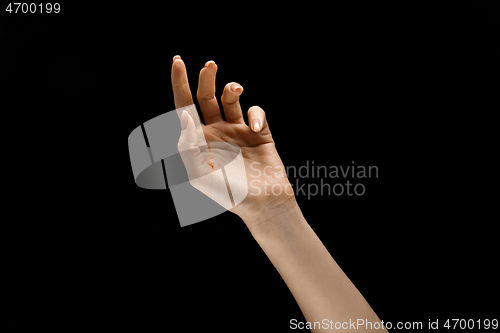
[180,84]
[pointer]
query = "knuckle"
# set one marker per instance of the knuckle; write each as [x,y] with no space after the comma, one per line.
[229,102]
[257,109]
[187,102]
[206,97]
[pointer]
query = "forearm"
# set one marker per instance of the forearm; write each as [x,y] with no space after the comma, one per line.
[319,286]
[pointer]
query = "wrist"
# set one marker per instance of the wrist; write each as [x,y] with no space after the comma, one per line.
[275,219]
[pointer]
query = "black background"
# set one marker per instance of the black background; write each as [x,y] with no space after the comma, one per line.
[407,88]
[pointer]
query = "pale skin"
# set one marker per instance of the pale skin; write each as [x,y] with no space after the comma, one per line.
[319,286]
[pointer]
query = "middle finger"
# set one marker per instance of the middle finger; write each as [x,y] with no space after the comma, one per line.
[206,94]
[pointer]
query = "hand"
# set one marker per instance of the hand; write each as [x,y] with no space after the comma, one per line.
[269,191]
[269,210]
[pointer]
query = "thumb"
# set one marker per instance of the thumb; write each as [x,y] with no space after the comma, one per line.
[188,148]
[188,139]
[257,120]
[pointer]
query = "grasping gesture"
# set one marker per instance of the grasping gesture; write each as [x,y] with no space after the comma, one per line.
[265,177]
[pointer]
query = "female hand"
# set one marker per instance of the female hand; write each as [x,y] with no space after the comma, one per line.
[268,187]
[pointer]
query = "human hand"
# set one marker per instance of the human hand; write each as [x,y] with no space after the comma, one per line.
[269,190]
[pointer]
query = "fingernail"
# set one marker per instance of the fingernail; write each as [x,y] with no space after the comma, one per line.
[176,57]
[184,120]
[256,125]
[235,86]
[209,62]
